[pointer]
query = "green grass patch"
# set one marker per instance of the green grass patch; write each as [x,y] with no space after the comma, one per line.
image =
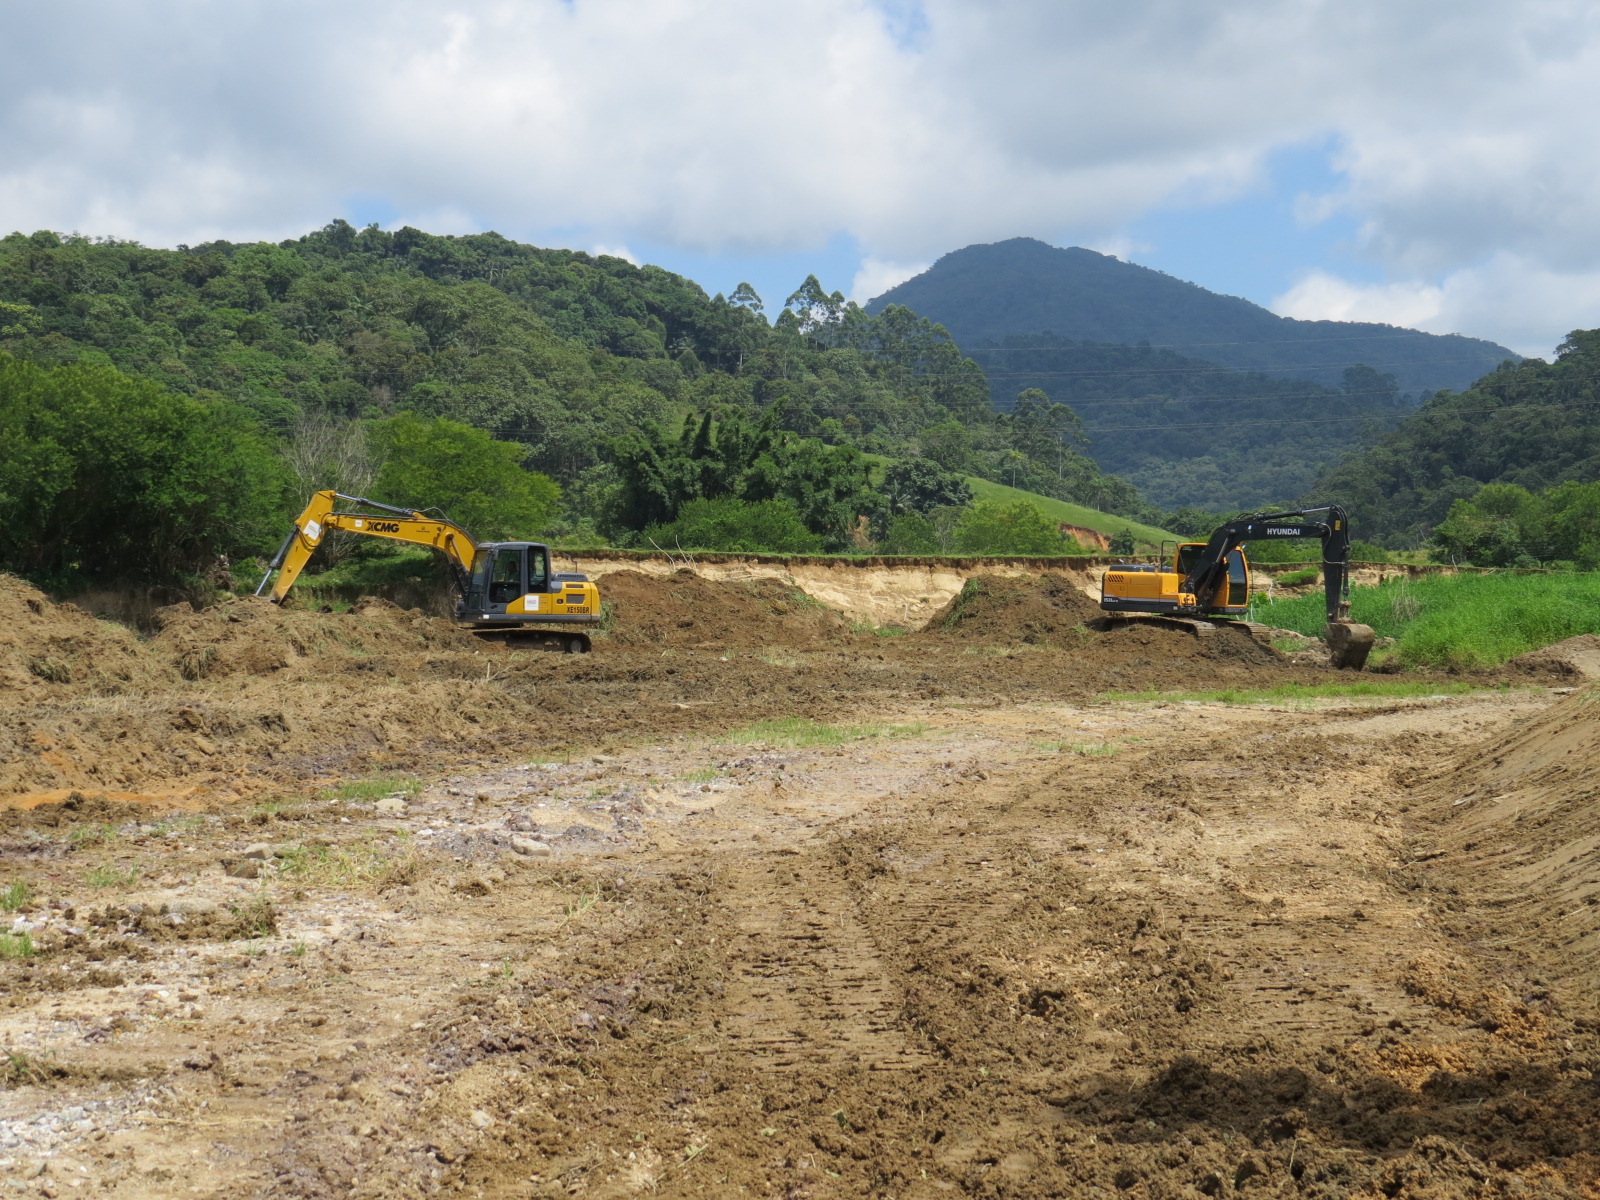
[372,789]
[107,875]
[965,598]
[1296,578]
[95,833]
[376,862]
[800,733]
[14,895]
[1291,693]
[1459,621]
[888,631]
[16,945]
[1072,514]
[703,775]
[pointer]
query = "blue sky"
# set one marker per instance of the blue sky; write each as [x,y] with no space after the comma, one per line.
[1255,245]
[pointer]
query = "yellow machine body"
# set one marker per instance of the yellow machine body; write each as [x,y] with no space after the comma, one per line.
[1158,589]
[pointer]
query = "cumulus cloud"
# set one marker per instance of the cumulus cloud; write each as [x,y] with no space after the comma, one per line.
[738,126]
[877,276]
[1530,307]
[601,250]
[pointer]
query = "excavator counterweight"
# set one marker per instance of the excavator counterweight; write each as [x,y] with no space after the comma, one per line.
[506,590]
[1212,579]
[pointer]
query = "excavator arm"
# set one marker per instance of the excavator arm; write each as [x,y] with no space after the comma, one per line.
[1210,570]
[1349,643]
[396,524]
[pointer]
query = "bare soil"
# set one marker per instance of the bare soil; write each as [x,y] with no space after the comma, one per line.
[747,903]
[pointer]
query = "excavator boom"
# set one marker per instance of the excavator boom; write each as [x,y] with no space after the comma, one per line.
[396,524]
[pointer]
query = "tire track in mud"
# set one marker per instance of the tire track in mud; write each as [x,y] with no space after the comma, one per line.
[808,988]
[1036,981]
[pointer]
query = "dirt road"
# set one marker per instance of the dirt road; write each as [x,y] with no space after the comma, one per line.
[992,941]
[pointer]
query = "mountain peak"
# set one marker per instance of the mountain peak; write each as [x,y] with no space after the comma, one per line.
[1022,286]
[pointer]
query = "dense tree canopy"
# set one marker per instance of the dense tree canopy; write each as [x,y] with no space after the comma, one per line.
[106,476]
[1533,424]
[1505,525]
[580,362]
[1185,431]
[464,473]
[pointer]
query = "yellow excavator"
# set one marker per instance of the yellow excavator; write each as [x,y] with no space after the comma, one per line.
[1210,580]
[507,590]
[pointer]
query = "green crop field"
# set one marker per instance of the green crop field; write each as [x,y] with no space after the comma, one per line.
[1073,514]
[1460,621]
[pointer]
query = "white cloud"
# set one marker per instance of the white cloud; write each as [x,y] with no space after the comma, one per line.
[1324,297]
[1530,307]
[602,249]
[737,126]
[1117,245]
[877,276]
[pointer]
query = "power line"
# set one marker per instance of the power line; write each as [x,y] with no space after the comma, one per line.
[1408,335]
[1210,369]
[1331,420]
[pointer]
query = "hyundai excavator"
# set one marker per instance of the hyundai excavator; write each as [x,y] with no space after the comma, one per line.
[507,590]
[1211,580]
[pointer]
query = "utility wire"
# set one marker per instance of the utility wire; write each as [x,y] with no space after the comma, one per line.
[1360,337]
[1330,420]
[1209,369]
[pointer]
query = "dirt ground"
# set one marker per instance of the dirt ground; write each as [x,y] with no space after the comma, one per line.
[750,902]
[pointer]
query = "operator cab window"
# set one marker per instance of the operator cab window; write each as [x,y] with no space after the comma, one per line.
[506,583]
[538,569]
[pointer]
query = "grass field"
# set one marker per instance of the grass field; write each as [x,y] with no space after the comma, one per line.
[1073,514]
[1459,620]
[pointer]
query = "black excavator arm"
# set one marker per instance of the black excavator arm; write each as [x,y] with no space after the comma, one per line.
[1348,643]
[1210,570]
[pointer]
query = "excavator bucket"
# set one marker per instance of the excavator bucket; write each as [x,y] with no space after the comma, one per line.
[1348,644]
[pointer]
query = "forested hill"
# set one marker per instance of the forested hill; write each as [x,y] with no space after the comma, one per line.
[1534,424]
[592,365]
[984,293]
[1187,432]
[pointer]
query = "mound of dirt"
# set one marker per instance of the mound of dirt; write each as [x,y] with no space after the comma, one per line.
[1048,609]
[252,636]
[1520,829]
[49,649]
[685,609]
[1576,658]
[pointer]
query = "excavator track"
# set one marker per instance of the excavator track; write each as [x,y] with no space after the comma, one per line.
[1199,626]
[557,641]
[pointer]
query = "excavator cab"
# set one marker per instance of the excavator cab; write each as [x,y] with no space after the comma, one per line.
[1233,599]
[511,584]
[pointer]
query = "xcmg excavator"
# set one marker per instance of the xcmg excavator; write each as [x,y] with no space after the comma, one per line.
[506,589]
[1211,579]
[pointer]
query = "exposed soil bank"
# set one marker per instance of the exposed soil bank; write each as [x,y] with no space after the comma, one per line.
[245,697]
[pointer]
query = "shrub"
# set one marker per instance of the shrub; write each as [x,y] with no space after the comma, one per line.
[107,477]
[995,527]
[741,526]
